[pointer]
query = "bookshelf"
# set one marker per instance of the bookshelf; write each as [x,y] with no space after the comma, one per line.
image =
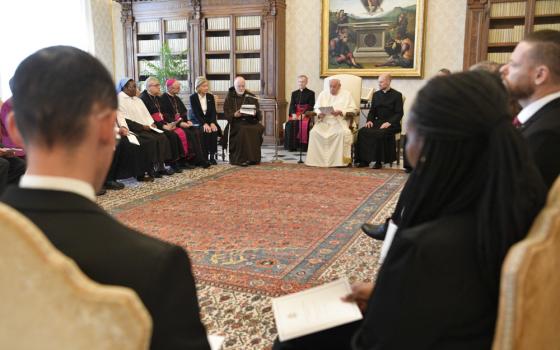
[232,47]
[494,27]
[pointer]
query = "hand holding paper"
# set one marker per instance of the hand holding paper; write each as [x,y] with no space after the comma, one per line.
[314,310]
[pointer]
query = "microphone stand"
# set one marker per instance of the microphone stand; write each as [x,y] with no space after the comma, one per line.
[275,158]
[300,161]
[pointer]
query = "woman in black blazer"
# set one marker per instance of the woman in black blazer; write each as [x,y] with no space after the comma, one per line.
[473,193]
[203,115]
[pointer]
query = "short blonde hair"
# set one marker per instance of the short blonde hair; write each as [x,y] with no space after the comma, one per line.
[199,81]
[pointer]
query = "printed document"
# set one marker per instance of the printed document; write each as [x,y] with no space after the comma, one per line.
[314,310]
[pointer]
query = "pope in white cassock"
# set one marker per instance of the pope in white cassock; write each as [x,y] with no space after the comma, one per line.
[330,140]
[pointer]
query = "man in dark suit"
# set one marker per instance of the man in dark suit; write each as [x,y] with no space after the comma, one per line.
[69,141]
[376,140]
[533,78]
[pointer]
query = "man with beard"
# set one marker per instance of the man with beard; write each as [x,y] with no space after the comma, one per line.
[533,78]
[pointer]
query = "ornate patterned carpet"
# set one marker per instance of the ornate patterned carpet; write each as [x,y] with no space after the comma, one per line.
[265,231]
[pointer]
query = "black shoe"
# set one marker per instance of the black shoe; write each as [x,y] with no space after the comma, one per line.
[113,185]
[146,178]
[362,165]
[101,192]
[205,165]
[166,172]
[187,166]
[176,168]
[157,175]
[374,231]
[213,161]
[244,164]
[408,170]
[377,165]
[253,162]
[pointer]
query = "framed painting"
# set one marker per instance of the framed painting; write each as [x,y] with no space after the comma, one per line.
[371,37]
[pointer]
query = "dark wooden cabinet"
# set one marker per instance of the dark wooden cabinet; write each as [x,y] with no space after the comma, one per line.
[494,27]
[224,39]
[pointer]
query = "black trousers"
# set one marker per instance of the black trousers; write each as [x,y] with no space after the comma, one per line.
[11,169]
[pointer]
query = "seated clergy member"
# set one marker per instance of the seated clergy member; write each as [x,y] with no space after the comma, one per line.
[302,101]
[376,140]
[11,167]
[174,110]
[203,106]
[67,165]
[438,285]
[533,78]
[330,140]
[244,130]
[151,97]
[5,109]
[134,115]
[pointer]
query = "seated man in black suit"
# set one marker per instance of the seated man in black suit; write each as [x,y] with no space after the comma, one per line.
[70,141]
[376,141]
[533,78]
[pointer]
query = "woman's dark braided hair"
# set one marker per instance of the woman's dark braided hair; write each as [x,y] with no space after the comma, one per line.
[472,160]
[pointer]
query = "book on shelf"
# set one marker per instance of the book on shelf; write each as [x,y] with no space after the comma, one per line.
[176,25]
[143,65]
[248,22]
[219,85]
[547,7]
[218,23]
[499,57]
[150,27]
[218,65]
[552,26]
[149,46]
[218,43]
[248,43]
[253,85]
[506,35]
[177,45]
[508,9]
[248,65]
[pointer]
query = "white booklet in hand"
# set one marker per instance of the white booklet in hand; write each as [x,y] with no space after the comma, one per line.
[327,110]
[133,139]
[248,109]
[314,310]
[156,130]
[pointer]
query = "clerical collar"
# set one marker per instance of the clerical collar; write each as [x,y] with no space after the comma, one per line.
[58,183]
[386,91]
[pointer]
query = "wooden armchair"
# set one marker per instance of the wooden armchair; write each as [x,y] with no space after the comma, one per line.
[48,303]
[529,311]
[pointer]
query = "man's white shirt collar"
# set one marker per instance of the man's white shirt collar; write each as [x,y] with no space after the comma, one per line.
[532,108]
[58,183]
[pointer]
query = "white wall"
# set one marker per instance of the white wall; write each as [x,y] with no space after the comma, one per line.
[445,35]
[108,35]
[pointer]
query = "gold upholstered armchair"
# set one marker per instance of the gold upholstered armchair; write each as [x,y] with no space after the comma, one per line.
[48,303]
[529,311]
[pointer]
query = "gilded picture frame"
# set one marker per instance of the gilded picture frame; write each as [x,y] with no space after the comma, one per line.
[371,37]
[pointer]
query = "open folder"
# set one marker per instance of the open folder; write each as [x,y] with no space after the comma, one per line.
[314,310]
